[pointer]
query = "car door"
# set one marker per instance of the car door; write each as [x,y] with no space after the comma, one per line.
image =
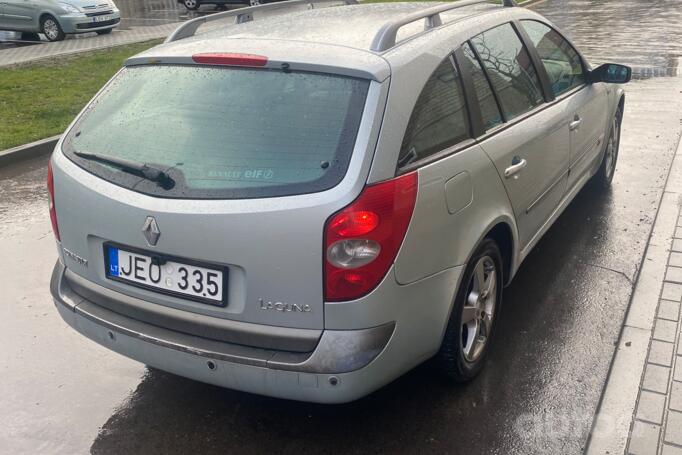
[586,104]
[527,140]
[18,14]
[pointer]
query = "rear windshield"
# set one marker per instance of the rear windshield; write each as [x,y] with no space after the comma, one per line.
[223,133]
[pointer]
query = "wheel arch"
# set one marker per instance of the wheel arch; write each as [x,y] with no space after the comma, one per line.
[503,236]
[621,101]
[44,15]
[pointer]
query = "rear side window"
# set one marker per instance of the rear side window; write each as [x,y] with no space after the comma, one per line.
[486,99]
[223,133]
[439,119]
[510,70]
[562,63]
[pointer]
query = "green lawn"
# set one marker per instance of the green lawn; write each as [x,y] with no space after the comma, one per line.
[39,100]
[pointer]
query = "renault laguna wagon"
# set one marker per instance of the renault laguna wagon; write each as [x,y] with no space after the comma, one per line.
[291,206]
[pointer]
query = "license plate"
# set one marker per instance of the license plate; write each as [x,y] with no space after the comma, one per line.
[102,18]
[166,275]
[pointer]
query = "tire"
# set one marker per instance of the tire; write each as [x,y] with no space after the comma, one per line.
[462,355]
[49,26]
[191,5]
[607,168]
[104,32]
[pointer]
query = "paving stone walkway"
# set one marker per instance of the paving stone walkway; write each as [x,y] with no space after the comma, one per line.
[657,424]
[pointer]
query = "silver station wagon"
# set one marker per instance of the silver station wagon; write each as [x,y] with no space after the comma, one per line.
[310,199]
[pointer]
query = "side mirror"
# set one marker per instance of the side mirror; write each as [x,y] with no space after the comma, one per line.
[612,73]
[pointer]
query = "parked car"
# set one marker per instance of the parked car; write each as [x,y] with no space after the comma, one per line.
[55,19]
[311,210]
[193,5]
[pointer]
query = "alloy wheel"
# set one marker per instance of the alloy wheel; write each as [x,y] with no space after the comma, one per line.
[478,309]
[190,4]
[51,29]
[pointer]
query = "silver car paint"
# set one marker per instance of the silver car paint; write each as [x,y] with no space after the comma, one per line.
[417,292]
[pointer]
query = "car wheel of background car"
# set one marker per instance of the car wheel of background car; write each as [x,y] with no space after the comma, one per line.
[472,321]
[51,29]
[191,4]
[608,164]
[104,32]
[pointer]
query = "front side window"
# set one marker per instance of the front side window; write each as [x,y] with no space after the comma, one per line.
[562,62]
[439,119]
[222,133]
[510,70]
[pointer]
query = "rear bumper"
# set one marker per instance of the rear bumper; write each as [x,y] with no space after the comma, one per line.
[335,371]
[83,24]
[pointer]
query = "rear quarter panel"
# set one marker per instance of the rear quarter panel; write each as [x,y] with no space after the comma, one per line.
[445,229]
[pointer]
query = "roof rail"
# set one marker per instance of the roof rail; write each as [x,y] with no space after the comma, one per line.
[242,15]
[386,36]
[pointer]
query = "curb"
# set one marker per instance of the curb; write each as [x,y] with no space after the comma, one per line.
[27,151]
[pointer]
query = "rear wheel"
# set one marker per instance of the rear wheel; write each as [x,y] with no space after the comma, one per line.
[50,27]
[608,165]
[191,4]
[472,321]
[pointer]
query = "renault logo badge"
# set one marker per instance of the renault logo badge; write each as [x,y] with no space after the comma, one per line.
[151,231]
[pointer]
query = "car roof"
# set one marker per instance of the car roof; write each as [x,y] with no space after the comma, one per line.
[352,26]
[332,39]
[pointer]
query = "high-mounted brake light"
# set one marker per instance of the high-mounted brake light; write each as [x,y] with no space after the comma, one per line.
[362,240]
[50,195]
[231,59]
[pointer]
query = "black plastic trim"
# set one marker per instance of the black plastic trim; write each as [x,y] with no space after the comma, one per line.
[473,106]
[540,70]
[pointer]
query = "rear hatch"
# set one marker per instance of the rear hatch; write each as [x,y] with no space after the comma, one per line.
[253,161]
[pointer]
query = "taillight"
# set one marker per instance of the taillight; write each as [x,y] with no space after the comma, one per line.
[362,240]
[50,195]
[230,59]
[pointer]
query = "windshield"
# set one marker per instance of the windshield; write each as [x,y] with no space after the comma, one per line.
[223,132]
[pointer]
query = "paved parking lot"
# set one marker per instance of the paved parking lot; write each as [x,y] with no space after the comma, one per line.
[538,394]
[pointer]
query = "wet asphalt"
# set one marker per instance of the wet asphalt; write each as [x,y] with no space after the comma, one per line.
[538,394]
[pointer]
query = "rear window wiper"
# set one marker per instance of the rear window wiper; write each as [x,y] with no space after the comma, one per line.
[132,167]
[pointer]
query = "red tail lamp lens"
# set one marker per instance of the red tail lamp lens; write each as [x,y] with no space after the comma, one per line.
[354,223]
[363,239]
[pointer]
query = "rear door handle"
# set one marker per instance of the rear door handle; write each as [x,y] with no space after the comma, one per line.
[517,165]
[575,124]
